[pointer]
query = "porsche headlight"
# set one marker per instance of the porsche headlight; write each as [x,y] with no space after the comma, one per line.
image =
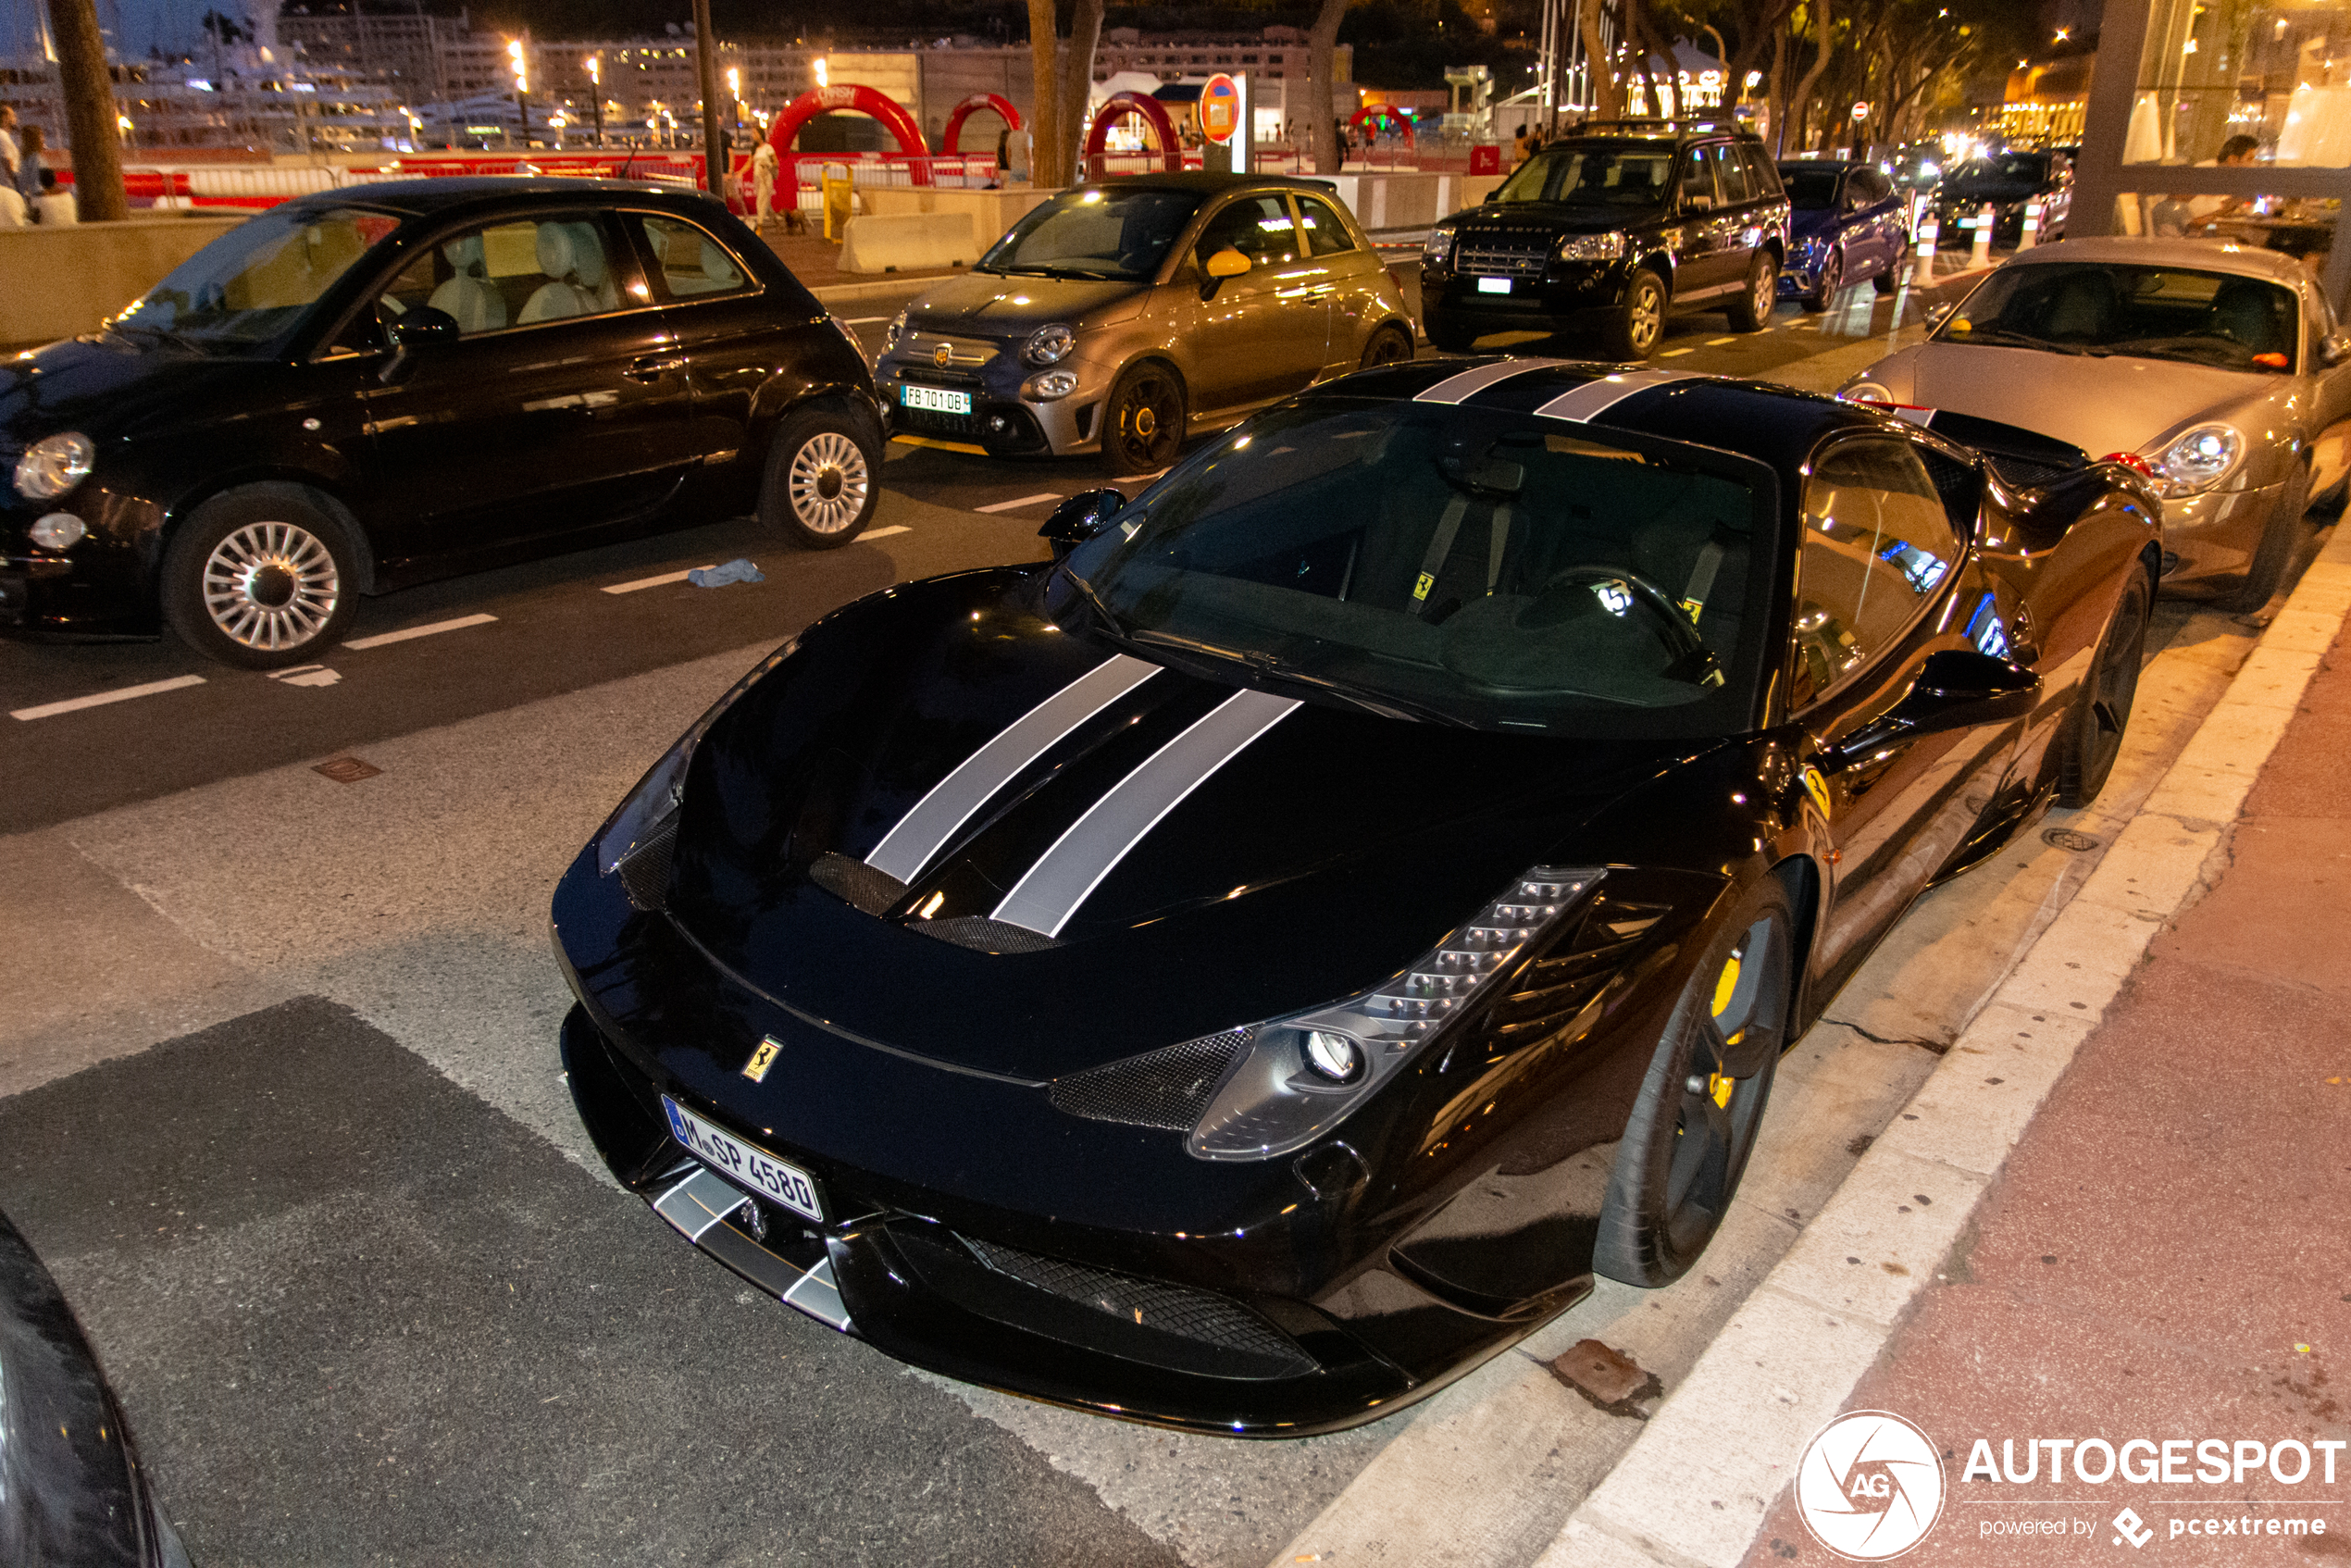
[2199,459]
[652,806]
[54,465]
[1592,247]
[1048,344]
[1438,248]
[1301,1073]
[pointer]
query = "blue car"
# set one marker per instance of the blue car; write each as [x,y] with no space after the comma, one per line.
[1847,225]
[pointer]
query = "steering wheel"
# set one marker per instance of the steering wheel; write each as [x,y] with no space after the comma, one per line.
[1682,641]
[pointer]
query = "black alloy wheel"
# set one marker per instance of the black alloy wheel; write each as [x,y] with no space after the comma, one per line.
[1390,345]
[1887,282]
[260,577]
[1831,279]
[822,483]
[1694,1126]
[1752,310]
[2281,537]
[1143,421]
[2094,734]
[1640,318]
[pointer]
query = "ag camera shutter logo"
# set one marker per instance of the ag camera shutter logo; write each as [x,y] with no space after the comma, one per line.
[1870,1485]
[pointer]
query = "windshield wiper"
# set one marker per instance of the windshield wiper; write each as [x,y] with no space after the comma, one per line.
[168,334]
[2001,336]
[1273,665]
[1060,273]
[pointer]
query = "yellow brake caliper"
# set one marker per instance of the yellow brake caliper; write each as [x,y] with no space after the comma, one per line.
[1726,986]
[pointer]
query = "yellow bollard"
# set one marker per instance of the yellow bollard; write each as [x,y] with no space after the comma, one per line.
[839,195]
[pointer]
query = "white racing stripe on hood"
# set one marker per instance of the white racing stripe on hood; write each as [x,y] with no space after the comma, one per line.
[937,817]
[1092,847]
[1458,389]
[1593,399]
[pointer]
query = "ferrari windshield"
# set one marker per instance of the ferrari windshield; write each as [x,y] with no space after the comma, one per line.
[2101,308]
[1095,233]
[1625,174]
[1463,566]
[255,281]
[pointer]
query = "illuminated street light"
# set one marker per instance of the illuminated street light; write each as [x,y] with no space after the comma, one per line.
[817,65]
[519,64]
[595,64]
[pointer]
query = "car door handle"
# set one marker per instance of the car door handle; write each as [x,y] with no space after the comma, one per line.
[654,366]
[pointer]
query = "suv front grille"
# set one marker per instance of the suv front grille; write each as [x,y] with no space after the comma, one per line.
[1503,255]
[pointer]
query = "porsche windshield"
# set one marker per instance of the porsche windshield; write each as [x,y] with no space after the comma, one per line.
[2103,308]
[1629,174]
[255,281]
[1094,233]
[1459,564]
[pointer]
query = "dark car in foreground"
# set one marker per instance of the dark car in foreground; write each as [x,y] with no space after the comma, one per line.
[1248,970]
[1609,230]
[73,1493]
[1846,226]
[2007,183]
[361,390]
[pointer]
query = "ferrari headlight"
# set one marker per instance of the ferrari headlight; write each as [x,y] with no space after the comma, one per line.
[1301,1073]
[2199,459]
[54,465]
[652,805]
[1048,344]
[1438,248]
[1592,247]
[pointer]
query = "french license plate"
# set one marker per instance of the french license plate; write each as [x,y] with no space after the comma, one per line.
[939,399]
[739,1161]
[1493,285]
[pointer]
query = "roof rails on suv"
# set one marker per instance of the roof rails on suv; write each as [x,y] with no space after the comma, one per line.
[1668,127]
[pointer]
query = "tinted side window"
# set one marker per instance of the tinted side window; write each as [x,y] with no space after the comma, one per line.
[1257,227]
[1730,174]
[1870,187]
[1877,544]
[688,261]
[1325,232]
[1697,178]
[511,275]
[1762,175]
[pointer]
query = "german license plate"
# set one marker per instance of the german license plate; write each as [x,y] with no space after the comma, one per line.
[1493,285]
[741,1164]
[939,399]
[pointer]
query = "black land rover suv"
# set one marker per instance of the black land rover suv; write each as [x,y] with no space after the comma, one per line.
[1608,229]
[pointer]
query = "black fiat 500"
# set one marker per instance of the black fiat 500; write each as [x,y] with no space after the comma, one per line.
[1245,973]
[1608,231]
[364,389]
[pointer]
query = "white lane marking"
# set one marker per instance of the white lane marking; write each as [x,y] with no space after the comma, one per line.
[1024,501]
[382,637]
[1718,342]
[73,705]
[1671,353]
[652,581]
[884,533]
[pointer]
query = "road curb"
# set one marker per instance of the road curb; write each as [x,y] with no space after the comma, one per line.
[1683,1496]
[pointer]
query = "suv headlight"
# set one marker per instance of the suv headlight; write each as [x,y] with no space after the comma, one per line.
[1300,1074]
[1592,247]
[1438,249]
[2199,459]
[54,465]
[654,803]
[1048,344]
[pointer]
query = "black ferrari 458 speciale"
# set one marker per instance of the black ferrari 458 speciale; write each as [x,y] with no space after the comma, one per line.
[1244,973]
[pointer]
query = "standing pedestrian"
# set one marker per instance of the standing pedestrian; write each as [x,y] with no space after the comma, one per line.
[25,177]
[9,157]
[763,169]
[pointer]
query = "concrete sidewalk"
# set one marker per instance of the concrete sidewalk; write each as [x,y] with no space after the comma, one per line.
[2117,1212]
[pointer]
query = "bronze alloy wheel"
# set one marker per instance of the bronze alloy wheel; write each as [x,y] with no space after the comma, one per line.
[1640,321]
[1752,312]
[1144,425]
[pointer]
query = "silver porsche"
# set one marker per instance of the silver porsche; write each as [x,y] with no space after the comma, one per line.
[2221,368]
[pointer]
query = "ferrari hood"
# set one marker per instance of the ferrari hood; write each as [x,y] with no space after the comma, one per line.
[1012,814]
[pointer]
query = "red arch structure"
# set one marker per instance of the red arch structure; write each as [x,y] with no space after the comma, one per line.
[1375,113]
[846,96]
[1151,112]
[970,107]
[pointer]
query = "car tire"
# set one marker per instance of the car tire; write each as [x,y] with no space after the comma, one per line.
[1832,280]
[2281,537]
[1640,318]
[1751,311]
[823,479]
[260,577]
[2101,716]
[1687,1141]
[1143,419]
[1390,345]
[1447,338]
[1889,280]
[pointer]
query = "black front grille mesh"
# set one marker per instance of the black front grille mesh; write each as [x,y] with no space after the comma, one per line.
[1503,255]
[644,875]
[1166,1089]
[1190,1314]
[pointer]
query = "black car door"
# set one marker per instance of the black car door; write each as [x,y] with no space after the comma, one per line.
[1700,265]
[1881,563]
[562,408]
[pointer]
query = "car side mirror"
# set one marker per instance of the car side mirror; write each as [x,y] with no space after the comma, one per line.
[1957,689]
[420,329]
[1223,263]
[2335,348]
[1939,315]
[1080,518]
[1695,202]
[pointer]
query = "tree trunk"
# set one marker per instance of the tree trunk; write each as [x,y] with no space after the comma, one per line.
[1608,92]
[716,152]
[1077,79]
[1322,68]
[1045,167]
[1801,98]
[1777,87]
[90,112]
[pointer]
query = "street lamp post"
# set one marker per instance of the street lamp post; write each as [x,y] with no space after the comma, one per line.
[595,64]
[520,65]
[734,103]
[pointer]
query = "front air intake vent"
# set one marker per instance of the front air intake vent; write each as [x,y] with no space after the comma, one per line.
[1167,1088]
[855,883]
[645,873]
[983,935]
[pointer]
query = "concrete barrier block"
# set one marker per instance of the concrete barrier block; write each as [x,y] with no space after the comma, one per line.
[57,282]
[908,241]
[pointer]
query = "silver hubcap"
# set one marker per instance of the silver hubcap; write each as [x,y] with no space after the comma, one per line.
[272,586]
[828,482]
[1767,285]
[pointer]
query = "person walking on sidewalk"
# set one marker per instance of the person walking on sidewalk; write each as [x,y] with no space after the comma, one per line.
[763,181]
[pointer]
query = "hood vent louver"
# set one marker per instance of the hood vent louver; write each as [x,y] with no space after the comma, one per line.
[855,883]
